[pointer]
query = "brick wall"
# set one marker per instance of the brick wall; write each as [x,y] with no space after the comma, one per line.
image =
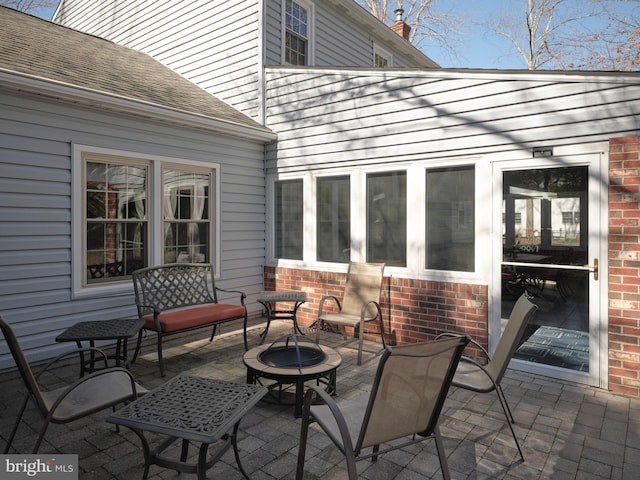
[624,265]
[420,309]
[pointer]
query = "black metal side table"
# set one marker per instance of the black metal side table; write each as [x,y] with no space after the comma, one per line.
[119,330]
[270,299]
[196,409]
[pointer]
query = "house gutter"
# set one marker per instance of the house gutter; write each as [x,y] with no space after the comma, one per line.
[94,98]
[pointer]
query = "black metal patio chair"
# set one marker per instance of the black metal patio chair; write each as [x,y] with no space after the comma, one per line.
[89,394]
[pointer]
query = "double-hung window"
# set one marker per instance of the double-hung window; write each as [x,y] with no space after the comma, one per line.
[116,222]
[381,57]
[138,210]
[297,29]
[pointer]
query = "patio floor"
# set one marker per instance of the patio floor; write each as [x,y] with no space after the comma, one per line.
[567,431]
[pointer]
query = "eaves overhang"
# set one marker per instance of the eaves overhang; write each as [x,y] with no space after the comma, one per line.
[108,101]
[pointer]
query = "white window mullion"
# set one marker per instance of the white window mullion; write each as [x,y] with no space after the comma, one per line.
[155,212]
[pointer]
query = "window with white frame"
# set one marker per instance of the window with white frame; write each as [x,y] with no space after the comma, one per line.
[187,221]
[297,32]
[381,57]
[117,218]
[289,240]
[387,218]
[450,226]
[333,217]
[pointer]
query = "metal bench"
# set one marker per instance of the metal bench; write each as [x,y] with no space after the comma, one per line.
[179,297]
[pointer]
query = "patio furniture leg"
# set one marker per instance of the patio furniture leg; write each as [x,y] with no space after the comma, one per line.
[234,442]
[444,466]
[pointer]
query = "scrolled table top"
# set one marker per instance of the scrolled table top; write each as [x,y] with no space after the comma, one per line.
[278,296]
[101,330]
[194,408]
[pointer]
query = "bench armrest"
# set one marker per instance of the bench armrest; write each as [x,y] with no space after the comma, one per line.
[242,294]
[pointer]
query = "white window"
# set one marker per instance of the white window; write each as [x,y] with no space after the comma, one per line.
[333,219]
[387,218]
[132,210]
[450,226]
[289,219]
[381,57]
[297,32]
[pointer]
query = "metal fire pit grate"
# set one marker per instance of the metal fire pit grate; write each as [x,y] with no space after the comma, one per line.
[292,351]
[291,361]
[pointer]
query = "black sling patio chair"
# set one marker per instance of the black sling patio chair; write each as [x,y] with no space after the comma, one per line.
[89,394]
[476,377]
[403,408]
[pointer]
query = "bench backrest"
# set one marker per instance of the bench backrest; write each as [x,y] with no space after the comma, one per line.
[173,285]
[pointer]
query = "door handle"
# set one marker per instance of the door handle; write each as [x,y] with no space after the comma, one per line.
[594,268]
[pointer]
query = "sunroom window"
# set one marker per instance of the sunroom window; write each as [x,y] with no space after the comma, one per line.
[333,219]
[387,218]
[289,219]
[450,226]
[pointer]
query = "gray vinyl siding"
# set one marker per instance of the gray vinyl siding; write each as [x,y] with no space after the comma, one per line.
[339,39]
[215,44]
[219,44]
[36,138]
[328,118]
[273,33]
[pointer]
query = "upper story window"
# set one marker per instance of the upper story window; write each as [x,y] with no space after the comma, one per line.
[381,57]
[139,210]
[297,32]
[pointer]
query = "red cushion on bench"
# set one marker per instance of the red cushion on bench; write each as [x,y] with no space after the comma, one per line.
[180,319]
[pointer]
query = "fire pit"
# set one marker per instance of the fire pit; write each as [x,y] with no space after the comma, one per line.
[291,361]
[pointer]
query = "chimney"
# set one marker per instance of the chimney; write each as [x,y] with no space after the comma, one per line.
[399,26]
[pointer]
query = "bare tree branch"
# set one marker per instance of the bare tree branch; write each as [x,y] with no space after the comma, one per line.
[429,27]
[559,34]
[28,6]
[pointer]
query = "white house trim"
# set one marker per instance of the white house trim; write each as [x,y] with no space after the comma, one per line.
[79,95]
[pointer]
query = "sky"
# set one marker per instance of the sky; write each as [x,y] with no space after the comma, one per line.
[480,49]
[483,49]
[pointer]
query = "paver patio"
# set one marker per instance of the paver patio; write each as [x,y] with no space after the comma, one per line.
[567,431]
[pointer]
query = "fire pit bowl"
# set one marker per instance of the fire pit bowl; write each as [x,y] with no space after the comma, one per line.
[289,362]
[292,351]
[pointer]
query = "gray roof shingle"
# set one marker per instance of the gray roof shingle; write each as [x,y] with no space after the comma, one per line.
[44,50]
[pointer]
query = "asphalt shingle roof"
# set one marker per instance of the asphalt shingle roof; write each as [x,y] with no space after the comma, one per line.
[44,50]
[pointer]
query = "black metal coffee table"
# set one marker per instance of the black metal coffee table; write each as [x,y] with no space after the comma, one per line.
[119,330]
[195,409]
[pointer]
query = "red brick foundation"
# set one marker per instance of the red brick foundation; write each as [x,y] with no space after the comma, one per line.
[624,265]
[420,309]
